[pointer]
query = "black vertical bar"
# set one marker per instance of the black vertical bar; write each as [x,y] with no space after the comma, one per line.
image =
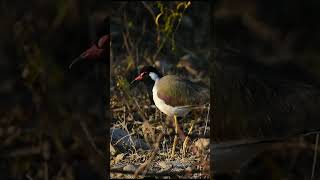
[212,45]
[107,103]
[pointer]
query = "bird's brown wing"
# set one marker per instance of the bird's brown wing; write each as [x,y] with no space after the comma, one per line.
[176,91]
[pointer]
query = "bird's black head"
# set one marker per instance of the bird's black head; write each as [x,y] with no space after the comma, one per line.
[149,69]
[147,75]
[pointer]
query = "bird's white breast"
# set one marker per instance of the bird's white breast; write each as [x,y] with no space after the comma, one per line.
[165,108]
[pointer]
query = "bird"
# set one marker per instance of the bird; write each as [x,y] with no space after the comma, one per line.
[174,96]
[96,50]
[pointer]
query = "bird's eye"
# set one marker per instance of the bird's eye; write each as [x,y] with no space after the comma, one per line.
[144,74]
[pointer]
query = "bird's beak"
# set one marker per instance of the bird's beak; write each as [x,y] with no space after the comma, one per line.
[74,61]
[135,81]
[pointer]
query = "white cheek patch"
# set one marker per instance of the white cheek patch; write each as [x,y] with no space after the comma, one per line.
[154,76]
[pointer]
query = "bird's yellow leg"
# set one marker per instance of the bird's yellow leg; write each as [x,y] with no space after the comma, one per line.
[185,142]
[175,136]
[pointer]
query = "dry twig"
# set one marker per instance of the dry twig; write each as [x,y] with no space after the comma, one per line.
[146,164]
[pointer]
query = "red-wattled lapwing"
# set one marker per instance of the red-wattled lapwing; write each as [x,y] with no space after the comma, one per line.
[174,96]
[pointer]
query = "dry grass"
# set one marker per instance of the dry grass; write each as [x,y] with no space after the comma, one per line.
[132,112]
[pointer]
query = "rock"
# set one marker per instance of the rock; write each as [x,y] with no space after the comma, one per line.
[122,141]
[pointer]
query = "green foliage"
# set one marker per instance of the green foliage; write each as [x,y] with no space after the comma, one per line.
[123,84]
[167,22]
[34,66]
[62,10]
[130,62]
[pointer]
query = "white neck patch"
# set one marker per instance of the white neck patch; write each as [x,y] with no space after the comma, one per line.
[154,76]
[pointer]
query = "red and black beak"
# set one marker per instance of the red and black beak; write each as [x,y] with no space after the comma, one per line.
[136,80]
[74,61]
[95,52]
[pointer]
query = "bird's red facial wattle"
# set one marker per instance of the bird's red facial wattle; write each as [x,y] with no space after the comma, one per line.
[141,77]
[95,52]
[104,41]
[138,78]
[92,53]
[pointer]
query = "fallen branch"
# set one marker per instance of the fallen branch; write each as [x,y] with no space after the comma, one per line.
[163,173]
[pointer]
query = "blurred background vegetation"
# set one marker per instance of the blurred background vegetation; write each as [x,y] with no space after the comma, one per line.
[266,86]
[53,120]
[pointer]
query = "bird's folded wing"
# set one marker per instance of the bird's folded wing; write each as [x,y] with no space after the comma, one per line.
[176,91]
